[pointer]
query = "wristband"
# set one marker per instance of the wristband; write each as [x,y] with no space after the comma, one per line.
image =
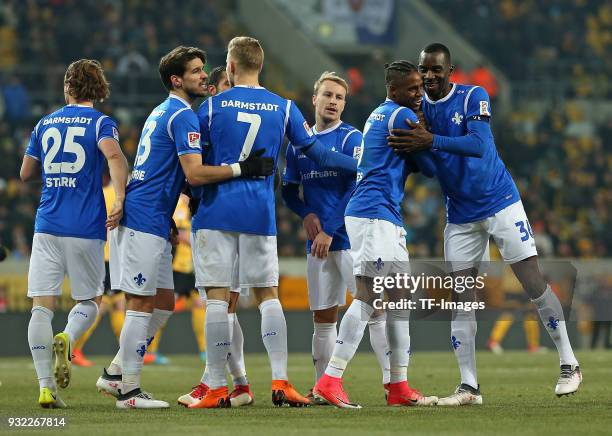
[236,171]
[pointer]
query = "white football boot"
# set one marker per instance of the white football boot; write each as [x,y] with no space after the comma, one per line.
[138,399]
[569,380]
[464,395]
[109,384]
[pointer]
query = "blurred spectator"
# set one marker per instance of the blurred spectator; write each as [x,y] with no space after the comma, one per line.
[460,76]
[483,76]
[16,101]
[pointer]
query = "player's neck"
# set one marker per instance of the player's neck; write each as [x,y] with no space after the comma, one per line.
[444,93]
[246,79]
[72,100]
[182,94]
[321,125]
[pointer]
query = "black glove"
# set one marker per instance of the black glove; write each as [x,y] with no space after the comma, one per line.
[256,166]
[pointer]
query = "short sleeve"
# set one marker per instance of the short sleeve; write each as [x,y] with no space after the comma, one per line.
[291,173]
[478,105]
[399,121]
[351,145]
[204,116]
[33,149]
[107,129]
[298,131]
[185,131]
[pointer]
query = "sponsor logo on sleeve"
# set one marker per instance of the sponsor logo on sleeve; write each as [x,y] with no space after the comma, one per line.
[115,133]
[484,108]
[194,139]
[307,128]
[357,153]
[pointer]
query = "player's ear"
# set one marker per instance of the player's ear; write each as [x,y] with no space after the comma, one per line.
[451,69]
[314,99]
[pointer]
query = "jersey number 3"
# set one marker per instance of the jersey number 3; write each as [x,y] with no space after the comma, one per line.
[54,136]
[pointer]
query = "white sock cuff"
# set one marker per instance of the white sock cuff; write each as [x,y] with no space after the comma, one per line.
[378,319]
[464,315]
[48,312]
[163,312]
[365,309]
[138,314]
[541,300]
[270,303]
[324,327]
[216,304]
[398,315]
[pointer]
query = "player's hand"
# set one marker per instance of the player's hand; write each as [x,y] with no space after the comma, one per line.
[320,245]
[410,141]
[312,225]
[257,166]
[115,215]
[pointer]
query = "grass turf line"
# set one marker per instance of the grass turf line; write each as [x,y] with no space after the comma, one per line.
[518,394]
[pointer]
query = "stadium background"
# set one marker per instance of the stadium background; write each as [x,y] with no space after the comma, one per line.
[546,65]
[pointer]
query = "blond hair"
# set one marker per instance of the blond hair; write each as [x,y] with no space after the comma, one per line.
[332,76]
[246,52]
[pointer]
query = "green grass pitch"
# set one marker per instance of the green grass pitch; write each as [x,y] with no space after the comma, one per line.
[517,392]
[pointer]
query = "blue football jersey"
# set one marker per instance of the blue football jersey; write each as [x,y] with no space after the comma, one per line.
[66,144]
[381,173]
[234,124]
[475,187]
[324,189]
[170,131]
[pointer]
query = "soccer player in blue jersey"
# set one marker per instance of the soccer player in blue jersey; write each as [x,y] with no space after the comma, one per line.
[140,251]
[482,202]
[236,219]
[326,193]
[70,146]
[378,242]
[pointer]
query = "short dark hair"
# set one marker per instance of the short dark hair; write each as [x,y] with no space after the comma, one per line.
[174,63]
[437,47]
[86,81]
[397,70]
[214,77]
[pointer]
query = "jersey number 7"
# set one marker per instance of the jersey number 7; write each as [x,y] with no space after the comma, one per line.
[254,121]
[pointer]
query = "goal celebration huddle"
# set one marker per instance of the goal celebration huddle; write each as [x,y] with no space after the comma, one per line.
[346,184]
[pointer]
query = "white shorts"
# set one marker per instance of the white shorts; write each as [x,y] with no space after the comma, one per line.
[329,278]
[139,262]
[53,257]
[466,244]
[216,254]
[378,247]
[244,292]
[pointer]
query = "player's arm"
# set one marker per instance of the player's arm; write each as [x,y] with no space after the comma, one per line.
[30,169]
[30,166]
[198,174]
[290,192]
[303,139]
[119,170]
[423,161]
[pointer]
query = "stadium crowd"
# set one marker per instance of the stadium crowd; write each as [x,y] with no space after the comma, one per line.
[560,158]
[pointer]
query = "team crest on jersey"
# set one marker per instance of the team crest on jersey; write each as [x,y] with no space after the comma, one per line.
[307,128]
[115,133]
[194,139]
[484,108]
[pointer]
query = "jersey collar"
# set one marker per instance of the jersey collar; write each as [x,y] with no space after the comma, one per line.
[182,100]
[248,86]
[442,100]
[330,129]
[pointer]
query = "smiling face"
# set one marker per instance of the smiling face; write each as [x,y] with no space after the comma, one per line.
[329,101]
[407,90]
[435,69]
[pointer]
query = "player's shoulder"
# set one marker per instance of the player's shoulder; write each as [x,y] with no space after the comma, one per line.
[345,130]
[466,92]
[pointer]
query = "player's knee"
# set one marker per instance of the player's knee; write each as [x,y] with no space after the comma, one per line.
[164,299]
[233,303]
[140,303]
[264,294]
[47,302]
[329,315]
